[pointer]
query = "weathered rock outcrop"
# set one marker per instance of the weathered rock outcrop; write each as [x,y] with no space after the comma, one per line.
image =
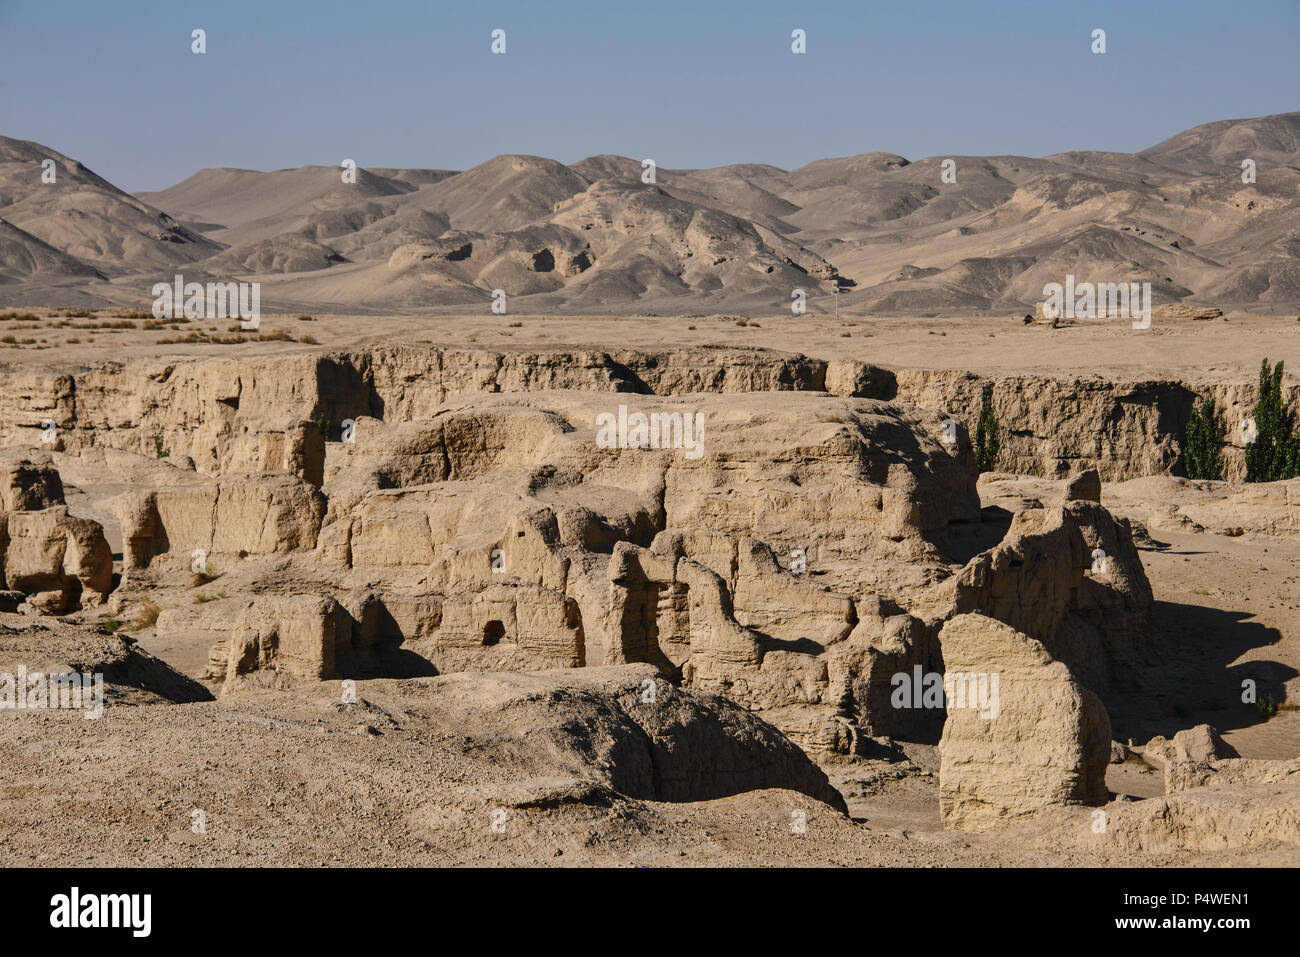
[1225,508]
[1054,427]
[1227,772]
[232,414]
[1215,806]
[59,561]
[280,641]
[771,557]
[28,481]
[507,538]
[533,546]
[523,628]
[778,540]
[1072,579]
[264,514]
[223,414]
[1022,734]
[728,619]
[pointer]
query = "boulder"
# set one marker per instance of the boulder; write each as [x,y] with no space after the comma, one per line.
[1084,487]
[1199,744]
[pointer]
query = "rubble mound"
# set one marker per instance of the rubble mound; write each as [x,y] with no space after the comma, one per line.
[625,729]
[53,647]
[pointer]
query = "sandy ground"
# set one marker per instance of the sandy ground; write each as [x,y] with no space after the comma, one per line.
[1207,351]
[300,783]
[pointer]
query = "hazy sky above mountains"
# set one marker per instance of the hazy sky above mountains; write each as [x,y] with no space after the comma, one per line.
[688,84]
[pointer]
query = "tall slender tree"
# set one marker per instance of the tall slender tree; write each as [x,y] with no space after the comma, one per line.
[1275,452]
[987,441]
[1203,444]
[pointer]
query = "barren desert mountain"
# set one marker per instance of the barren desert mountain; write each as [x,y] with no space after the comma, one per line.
[610,234]
[87,218]
[246,205]
[1272,140]
[28,259]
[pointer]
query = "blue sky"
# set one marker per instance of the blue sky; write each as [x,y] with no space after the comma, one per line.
[688,84]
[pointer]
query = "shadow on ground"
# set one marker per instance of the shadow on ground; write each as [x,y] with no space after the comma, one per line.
[1193,674]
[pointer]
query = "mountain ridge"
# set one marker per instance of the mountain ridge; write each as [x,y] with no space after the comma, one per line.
[956,234]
